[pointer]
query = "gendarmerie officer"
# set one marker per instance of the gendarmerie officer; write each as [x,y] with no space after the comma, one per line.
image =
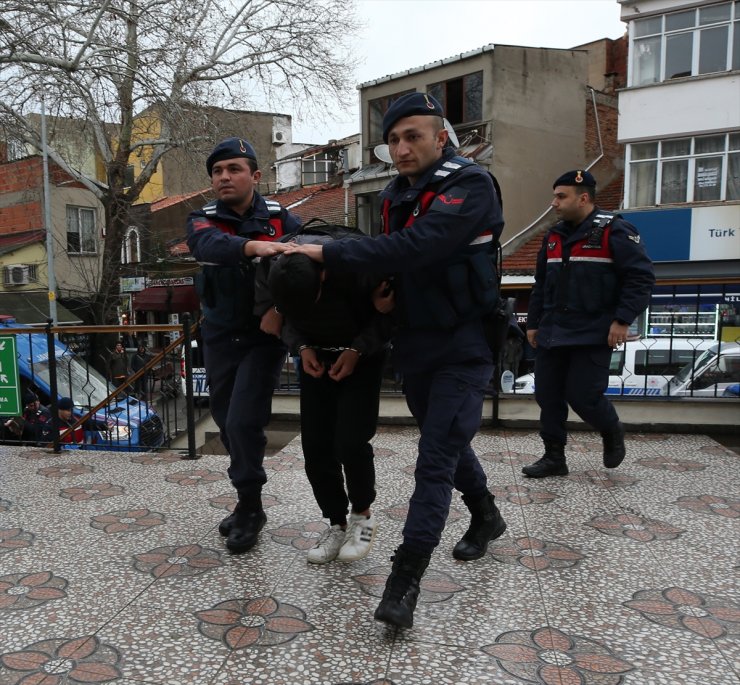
[243,353]
[593,279]
[442,220]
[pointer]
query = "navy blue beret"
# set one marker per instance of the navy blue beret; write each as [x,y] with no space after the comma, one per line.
[576,178]
[28,397]
[66,403]
[230,149]
[410,105]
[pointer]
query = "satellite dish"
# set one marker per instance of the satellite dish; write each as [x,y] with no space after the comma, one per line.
[383,153]
[453,136]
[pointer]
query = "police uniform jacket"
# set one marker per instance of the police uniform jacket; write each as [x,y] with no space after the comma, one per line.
[427,253]
[216,237]
[344,315]
[583,282]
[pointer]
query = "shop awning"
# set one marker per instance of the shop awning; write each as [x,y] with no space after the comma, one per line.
[33,308]
[173,299]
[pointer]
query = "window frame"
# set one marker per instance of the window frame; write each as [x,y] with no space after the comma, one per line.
[732,23]
[465,78]
[660,159]
[383,102]
[78,212]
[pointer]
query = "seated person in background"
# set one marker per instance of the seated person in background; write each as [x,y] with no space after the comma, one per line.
[330,321]
[38,428]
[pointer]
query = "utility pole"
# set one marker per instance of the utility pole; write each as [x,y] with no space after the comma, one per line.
[47,221]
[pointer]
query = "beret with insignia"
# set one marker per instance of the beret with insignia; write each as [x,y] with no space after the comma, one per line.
[579,177]
[410,105]
[230,148]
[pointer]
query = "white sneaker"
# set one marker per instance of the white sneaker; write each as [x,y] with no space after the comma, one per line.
[359,537]
[327,547]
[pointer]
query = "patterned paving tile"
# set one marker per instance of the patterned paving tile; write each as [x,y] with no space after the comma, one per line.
[626,576]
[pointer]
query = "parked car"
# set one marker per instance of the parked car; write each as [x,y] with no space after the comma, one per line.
[200,384]
[713,374]
[130,424]
[641,367]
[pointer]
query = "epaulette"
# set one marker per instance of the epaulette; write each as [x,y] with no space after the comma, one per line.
[209,209]
[273,207]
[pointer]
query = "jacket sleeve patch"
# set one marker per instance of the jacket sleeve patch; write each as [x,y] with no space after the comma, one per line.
[200,224]
[450,201]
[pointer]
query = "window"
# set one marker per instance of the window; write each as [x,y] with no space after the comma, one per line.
[376,109]
[461,98]
[699,169]
[81,230]
[705,40]
[317,169]
[659,362]
[131,248]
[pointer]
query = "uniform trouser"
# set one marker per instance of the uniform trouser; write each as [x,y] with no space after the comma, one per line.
[447,404]
[577,376]
[242,376]
[338,419]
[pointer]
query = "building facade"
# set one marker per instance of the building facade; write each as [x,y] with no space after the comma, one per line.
[679,120]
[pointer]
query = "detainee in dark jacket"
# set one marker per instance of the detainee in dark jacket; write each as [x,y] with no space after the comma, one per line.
[331,322]
[243,353]
[593,279]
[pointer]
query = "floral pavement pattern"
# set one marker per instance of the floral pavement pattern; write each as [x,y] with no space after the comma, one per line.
[150,458]
[182,561]
[602,479]
[711,504]
[14,538]
[535,554]
[283,462]
[299,535]
[399,512]
[436,586]
[550,656]
[259,622]
[29,590]
[514,459]
[81,493]
[61,662]
[195,477]
[671,464]
[682,609]
[127,521]
[65,470]
[521,494]
[634,527]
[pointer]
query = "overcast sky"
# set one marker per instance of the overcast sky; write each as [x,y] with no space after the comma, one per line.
[403,34]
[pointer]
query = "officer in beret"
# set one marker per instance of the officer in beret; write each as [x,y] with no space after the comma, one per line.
[243,353]
[593,279]
[441,223]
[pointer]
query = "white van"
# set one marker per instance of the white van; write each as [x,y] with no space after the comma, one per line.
[641,367]
[711,375]
[200,385]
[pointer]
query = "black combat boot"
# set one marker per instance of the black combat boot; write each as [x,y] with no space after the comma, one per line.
[552,462]
[486,524]
[397,606]
[224,528]
[249,519]
[614,449]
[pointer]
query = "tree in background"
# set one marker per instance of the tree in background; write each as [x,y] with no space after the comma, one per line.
[102,63]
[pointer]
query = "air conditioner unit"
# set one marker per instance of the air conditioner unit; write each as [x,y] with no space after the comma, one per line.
[17,274]
[279,137]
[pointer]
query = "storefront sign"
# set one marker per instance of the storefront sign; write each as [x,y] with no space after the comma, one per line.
[689,234]
[168,282]
[132,284]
